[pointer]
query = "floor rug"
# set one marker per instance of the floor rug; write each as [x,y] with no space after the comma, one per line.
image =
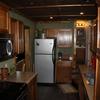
[67,88]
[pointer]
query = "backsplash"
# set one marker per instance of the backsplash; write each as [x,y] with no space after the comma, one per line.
[11,65]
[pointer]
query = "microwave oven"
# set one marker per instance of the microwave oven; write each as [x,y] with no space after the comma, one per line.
[5,47]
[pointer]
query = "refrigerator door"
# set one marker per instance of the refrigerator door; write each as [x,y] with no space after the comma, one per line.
[44,68]
[44,46]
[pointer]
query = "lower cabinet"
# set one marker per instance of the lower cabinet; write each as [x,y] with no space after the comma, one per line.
[31,90]
[63,72]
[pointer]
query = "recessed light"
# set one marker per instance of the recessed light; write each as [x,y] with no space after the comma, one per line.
[51,17]
[81,13]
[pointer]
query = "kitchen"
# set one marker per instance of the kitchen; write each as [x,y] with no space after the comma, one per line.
[40,27]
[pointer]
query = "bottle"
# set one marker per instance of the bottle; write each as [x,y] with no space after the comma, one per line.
[0,74]
[90,74]
[5,72]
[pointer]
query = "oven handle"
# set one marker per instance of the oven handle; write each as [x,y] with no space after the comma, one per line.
[9,47]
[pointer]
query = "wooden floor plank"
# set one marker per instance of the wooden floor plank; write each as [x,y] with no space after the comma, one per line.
[53,92]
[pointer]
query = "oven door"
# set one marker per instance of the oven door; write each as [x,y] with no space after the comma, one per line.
[5,48]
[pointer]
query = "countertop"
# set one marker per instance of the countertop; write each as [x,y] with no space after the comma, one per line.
[21,77]
[89,88]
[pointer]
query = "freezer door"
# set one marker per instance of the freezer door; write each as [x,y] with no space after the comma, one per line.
[45,68]
[44,46]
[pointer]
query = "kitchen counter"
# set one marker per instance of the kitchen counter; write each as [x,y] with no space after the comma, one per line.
[89,88]
[29,78]
[21,77]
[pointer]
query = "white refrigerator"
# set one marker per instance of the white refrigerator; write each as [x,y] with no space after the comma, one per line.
[45,60]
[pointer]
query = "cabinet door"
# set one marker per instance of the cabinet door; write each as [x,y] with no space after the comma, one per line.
[64,38]
[51,33]
[17,31]
[21,37]
[4,19]
[13,31]
[63,72]
[32,89]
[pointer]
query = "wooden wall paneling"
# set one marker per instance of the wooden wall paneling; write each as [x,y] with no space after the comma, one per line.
[97,75]
[27,49]
[21,37]
[97,81]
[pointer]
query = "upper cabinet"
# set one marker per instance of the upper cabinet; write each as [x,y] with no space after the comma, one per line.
[17,31]
[13,31]
[51,33]
[64,36]
[4,19]
[20,36]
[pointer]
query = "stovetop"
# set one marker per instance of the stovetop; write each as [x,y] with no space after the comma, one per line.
[11,90]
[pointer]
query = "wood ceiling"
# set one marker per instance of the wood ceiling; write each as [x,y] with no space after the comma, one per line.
[59,9]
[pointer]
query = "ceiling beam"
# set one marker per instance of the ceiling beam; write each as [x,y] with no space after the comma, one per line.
[63,15]
[55,6]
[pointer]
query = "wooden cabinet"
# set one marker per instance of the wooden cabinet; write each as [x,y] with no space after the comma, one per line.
[17,31]
[31,90]
[13,31]
[4,18]
[63,71]
[64,36]
[51,33]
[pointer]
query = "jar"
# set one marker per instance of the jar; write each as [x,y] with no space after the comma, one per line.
[0,74]
[4,72]
[43,35]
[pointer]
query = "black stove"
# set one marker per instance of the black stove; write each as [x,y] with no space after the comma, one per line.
[12,91]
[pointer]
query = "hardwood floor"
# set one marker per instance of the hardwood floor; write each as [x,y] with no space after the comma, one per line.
[53,92]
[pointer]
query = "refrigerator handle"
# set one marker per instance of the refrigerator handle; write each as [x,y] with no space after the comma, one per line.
[53,54]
